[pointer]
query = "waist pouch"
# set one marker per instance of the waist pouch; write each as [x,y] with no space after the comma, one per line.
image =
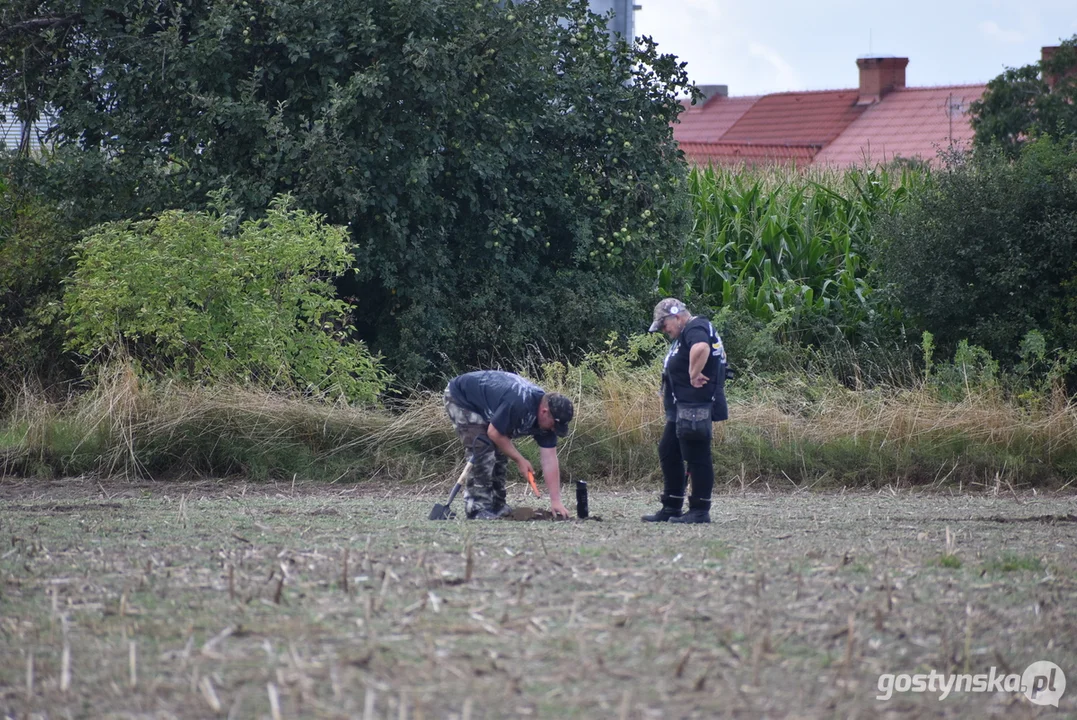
[720,409]
[694,421]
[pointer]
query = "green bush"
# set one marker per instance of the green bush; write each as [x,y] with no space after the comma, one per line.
[988,250]
[972,371]
[192,300]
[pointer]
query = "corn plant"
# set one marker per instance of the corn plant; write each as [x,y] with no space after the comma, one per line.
[772,241]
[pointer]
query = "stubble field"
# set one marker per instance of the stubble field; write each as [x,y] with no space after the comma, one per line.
[215,599]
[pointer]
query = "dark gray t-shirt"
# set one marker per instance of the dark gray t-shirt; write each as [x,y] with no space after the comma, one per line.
[505,400]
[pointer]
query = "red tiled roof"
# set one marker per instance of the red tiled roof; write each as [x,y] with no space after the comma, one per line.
[707,153]
[707,122]
[796,118]
[828,127]
[910,122]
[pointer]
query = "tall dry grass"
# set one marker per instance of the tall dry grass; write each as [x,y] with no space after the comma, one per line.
[789,432]
[31,423]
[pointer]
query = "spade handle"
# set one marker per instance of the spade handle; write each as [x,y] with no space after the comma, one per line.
[459,482]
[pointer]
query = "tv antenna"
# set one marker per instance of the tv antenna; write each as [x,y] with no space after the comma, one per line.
[954,106]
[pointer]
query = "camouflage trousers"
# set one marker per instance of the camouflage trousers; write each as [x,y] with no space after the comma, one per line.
[485,487]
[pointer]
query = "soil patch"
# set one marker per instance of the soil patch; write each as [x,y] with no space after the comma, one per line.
[64,508]
[1037,519]
[527,514]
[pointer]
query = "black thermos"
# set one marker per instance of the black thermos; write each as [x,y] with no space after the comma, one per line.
[581,499]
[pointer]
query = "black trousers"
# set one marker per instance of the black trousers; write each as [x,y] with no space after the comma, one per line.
[675,454]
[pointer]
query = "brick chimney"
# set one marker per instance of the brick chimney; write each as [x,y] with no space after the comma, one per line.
[712,91]
[878,76]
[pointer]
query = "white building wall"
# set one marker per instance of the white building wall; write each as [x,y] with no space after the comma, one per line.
[622,21]
[11,133]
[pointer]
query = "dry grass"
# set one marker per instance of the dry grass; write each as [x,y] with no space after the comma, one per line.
[111,412]
[795,430]
[903,417]
[35,415]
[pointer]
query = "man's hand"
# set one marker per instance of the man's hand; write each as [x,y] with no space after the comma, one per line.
[558,509]
[697,360]
[525,466]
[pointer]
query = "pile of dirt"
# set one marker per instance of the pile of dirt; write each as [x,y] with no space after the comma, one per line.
[526,513]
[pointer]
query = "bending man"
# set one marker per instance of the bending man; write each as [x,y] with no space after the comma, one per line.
[489,408]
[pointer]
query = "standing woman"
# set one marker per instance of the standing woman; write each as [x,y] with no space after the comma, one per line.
[693,396]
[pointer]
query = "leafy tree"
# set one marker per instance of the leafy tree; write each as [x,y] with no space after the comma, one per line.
[1040,98]
[35,246]
[504,168]
[987,251]
[194,301]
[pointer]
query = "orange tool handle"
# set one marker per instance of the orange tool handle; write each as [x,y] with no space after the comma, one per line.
[534,487]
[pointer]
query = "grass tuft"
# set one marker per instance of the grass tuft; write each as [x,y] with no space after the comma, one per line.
[1014,563]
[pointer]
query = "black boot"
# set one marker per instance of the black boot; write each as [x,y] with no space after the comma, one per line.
[671,508]
[699,511]
[484,514]
[693,516]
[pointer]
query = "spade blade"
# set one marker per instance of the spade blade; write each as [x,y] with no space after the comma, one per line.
[442,512]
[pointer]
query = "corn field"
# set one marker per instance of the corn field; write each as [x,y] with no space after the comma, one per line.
[772,241]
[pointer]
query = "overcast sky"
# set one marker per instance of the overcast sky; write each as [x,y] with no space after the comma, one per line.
[763,46]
